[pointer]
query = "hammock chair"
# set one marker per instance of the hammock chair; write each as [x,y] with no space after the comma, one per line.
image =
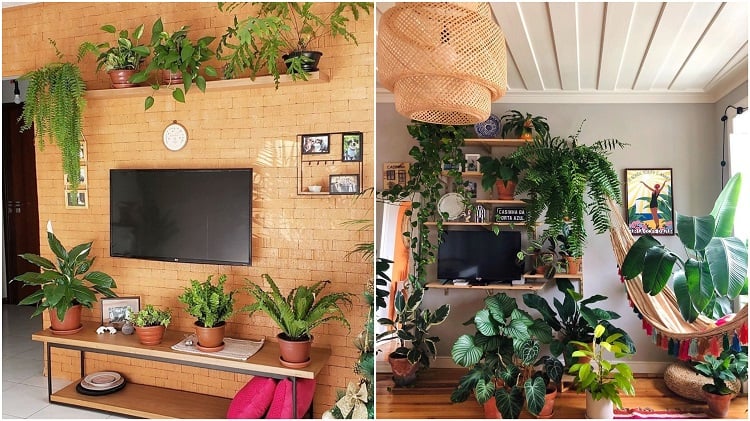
[660,314]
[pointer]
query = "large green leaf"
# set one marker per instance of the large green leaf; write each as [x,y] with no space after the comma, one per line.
[541,330]
[509,402]
[682,294]
[535,392]
[500,305]
[725,207]
[56,246]
[727,259]
[632,266]
[486,325]
[464,352]
[657,269]
[100,279]
[484,390]
[540,304]
[528,351]
[695,231]
[38,260]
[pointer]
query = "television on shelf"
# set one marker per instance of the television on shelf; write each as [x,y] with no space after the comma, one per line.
[479,257]
[182,215]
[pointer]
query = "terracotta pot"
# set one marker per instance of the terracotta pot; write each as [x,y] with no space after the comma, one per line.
[548,410]
[599,409]
[718,405]
[294,353]
[527,133]
[120,78]
[71,321]
[150,335]
[404,372]
[171,78]
[505,190]
[574,264]
[309,66]
[490,410]
[210,337]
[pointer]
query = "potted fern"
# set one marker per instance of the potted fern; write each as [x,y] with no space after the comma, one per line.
[212,306]
[297,314]
[121,60]
[150,324]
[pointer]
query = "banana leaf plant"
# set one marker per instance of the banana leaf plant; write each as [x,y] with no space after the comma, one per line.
[503,356]
[715,270]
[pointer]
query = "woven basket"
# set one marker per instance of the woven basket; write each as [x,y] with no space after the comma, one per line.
[444,62]
[681,379]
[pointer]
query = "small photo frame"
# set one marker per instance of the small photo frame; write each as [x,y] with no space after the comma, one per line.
[649,201]
[76,199]
[83,178]
[351,147]
[82,151]
[313,144]
[343,184]
[115,310]
[472,162]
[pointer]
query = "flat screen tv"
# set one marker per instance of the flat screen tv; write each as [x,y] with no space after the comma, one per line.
[182,215]
[479,256]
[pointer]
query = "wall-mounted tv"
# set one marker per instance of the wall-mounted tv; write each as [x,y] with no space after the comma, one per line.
[182,215]
[479,256]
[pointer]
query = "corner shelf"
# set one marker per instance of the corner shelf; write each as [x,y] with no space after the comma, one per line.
[529,286]
[212,85]
[493,143]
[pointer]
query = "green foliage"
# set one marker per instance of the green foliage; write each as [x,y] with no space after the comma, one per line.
[715,271]
[381,282]
[64,284]
[125,54]
[543,252]
[302,310]
[152,316]
[54,107]
[506,347]
[575,319]
[561,174]
[504,168]
[207,302]
[600,377]
[177,53]
[412,325]
[730,366]
[258,42]
[517,125]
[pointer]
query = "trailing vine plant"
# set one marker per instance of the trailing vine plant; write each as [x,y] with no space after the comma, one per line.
[54,107]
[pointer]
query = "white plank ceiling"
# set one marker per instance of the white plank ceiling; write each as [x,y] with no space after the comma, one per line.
[620,52]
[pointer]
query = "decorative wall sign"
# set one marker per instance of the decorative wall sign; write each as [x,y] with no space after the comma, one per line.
[650,206]
[395,173]
[504,214]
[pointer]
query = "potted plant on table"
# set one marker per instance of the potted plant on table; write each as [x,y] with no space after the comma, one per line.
[602,380]
[730,366]
[502,173]
[150,324]
[66,287]
[410,327]
[502,356]
[520,126]
[544,257]
[212,306]
[284,30]
[176,60]
[122,60]
[297,314]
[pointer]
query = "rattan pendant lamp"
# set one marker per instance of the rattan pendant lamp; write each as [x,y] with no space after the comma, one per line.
[444,62]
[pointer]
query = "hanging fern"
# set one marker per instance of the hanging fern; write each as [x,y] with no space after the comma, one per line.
[54,107]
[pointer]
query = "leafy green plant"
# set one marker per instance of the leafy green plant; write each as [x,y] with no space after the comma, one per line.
[517,125]
[54,107]
[125,54]
[715,271]
[561,174]
[504,168]
[151,316]
[503,355]
[177,53]
[600,377]
[730,366]
[208,303]
[575,319]
[259,42]
[411,326]
[66,283]
[543,253]
[302,310]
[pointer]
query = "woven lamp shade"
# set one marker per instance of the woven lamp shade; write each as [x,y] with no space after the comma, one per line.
[444,62]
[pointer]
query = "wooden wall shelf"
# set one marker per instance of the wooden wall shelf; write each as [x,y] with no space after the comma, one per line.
[501,202]
[528,286]
[476,224]
[493,143]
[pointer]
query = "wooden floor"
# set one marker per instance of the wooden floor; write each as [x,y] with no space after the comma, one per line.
[430,398]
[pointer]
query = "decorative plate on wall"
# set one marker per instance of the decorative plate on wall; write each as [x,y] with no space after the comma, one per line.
[452,204]
[488,128]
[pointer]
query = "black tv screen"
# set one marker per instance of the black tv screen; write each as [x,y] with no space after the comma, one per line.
[182,215]
[479,256]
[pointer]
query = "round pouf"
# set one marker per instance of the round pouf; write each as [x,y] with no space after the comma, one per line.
[681,379]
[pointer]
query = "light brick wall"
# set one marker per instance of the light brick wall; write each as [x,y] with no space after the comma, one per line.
[296,239]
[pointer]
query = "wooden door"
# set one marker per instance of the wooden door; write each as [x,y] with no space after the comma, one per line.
[20,205]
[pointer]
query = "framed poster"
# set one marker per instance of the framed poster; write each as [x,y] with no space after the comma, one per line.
[648,197]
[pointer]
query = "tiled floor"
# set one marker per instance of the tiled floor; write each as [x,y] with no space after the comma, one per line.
[24,392]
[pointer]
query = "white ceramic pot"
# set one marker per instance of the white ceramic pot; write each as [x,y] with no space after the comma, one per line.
[599,409]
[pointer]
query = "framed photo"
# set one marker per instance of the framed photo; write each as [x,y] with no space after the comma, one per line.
[395,173]
[115,310]
[472,162]
[351,147]
[343,184]
[83,178]
[650,206]
[82,152]
[316,144]
[76,199]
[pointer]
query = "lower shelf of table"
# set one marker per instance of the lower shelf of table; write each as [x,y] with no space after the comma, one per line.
[143,401]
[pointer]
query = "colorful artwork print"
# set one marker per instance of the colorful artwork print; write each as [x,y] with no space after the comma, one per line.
[650,206]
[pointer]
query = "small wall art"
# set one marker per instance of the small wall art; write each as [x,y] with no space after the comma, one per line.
[395,173]
[351,147]
[649,201]
[115,310]
[344,184]
[316,144]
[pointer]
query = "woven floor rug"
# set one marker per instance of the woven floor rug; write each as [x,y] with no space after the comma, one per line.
[647,413]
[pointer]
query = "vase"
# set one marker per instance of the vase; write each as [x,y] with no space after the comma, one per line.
[308,66]
[599,408]
[150,335]
[505,189]
[210,339]
[404,372]
[574,264]
[294,353]
[120,78]
[718,405]
[70,323]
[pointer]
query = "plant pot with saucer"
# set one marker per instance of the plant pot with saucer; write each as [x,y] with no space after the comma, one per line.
[150,324]
[212,306]
[122,60]
[296,314]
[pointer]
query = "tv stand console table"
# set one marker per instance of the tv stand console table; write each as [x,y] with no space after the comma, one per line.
[158,402]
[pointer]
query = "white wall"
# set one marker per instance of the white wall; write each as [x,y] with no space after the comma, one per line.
[678,136]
